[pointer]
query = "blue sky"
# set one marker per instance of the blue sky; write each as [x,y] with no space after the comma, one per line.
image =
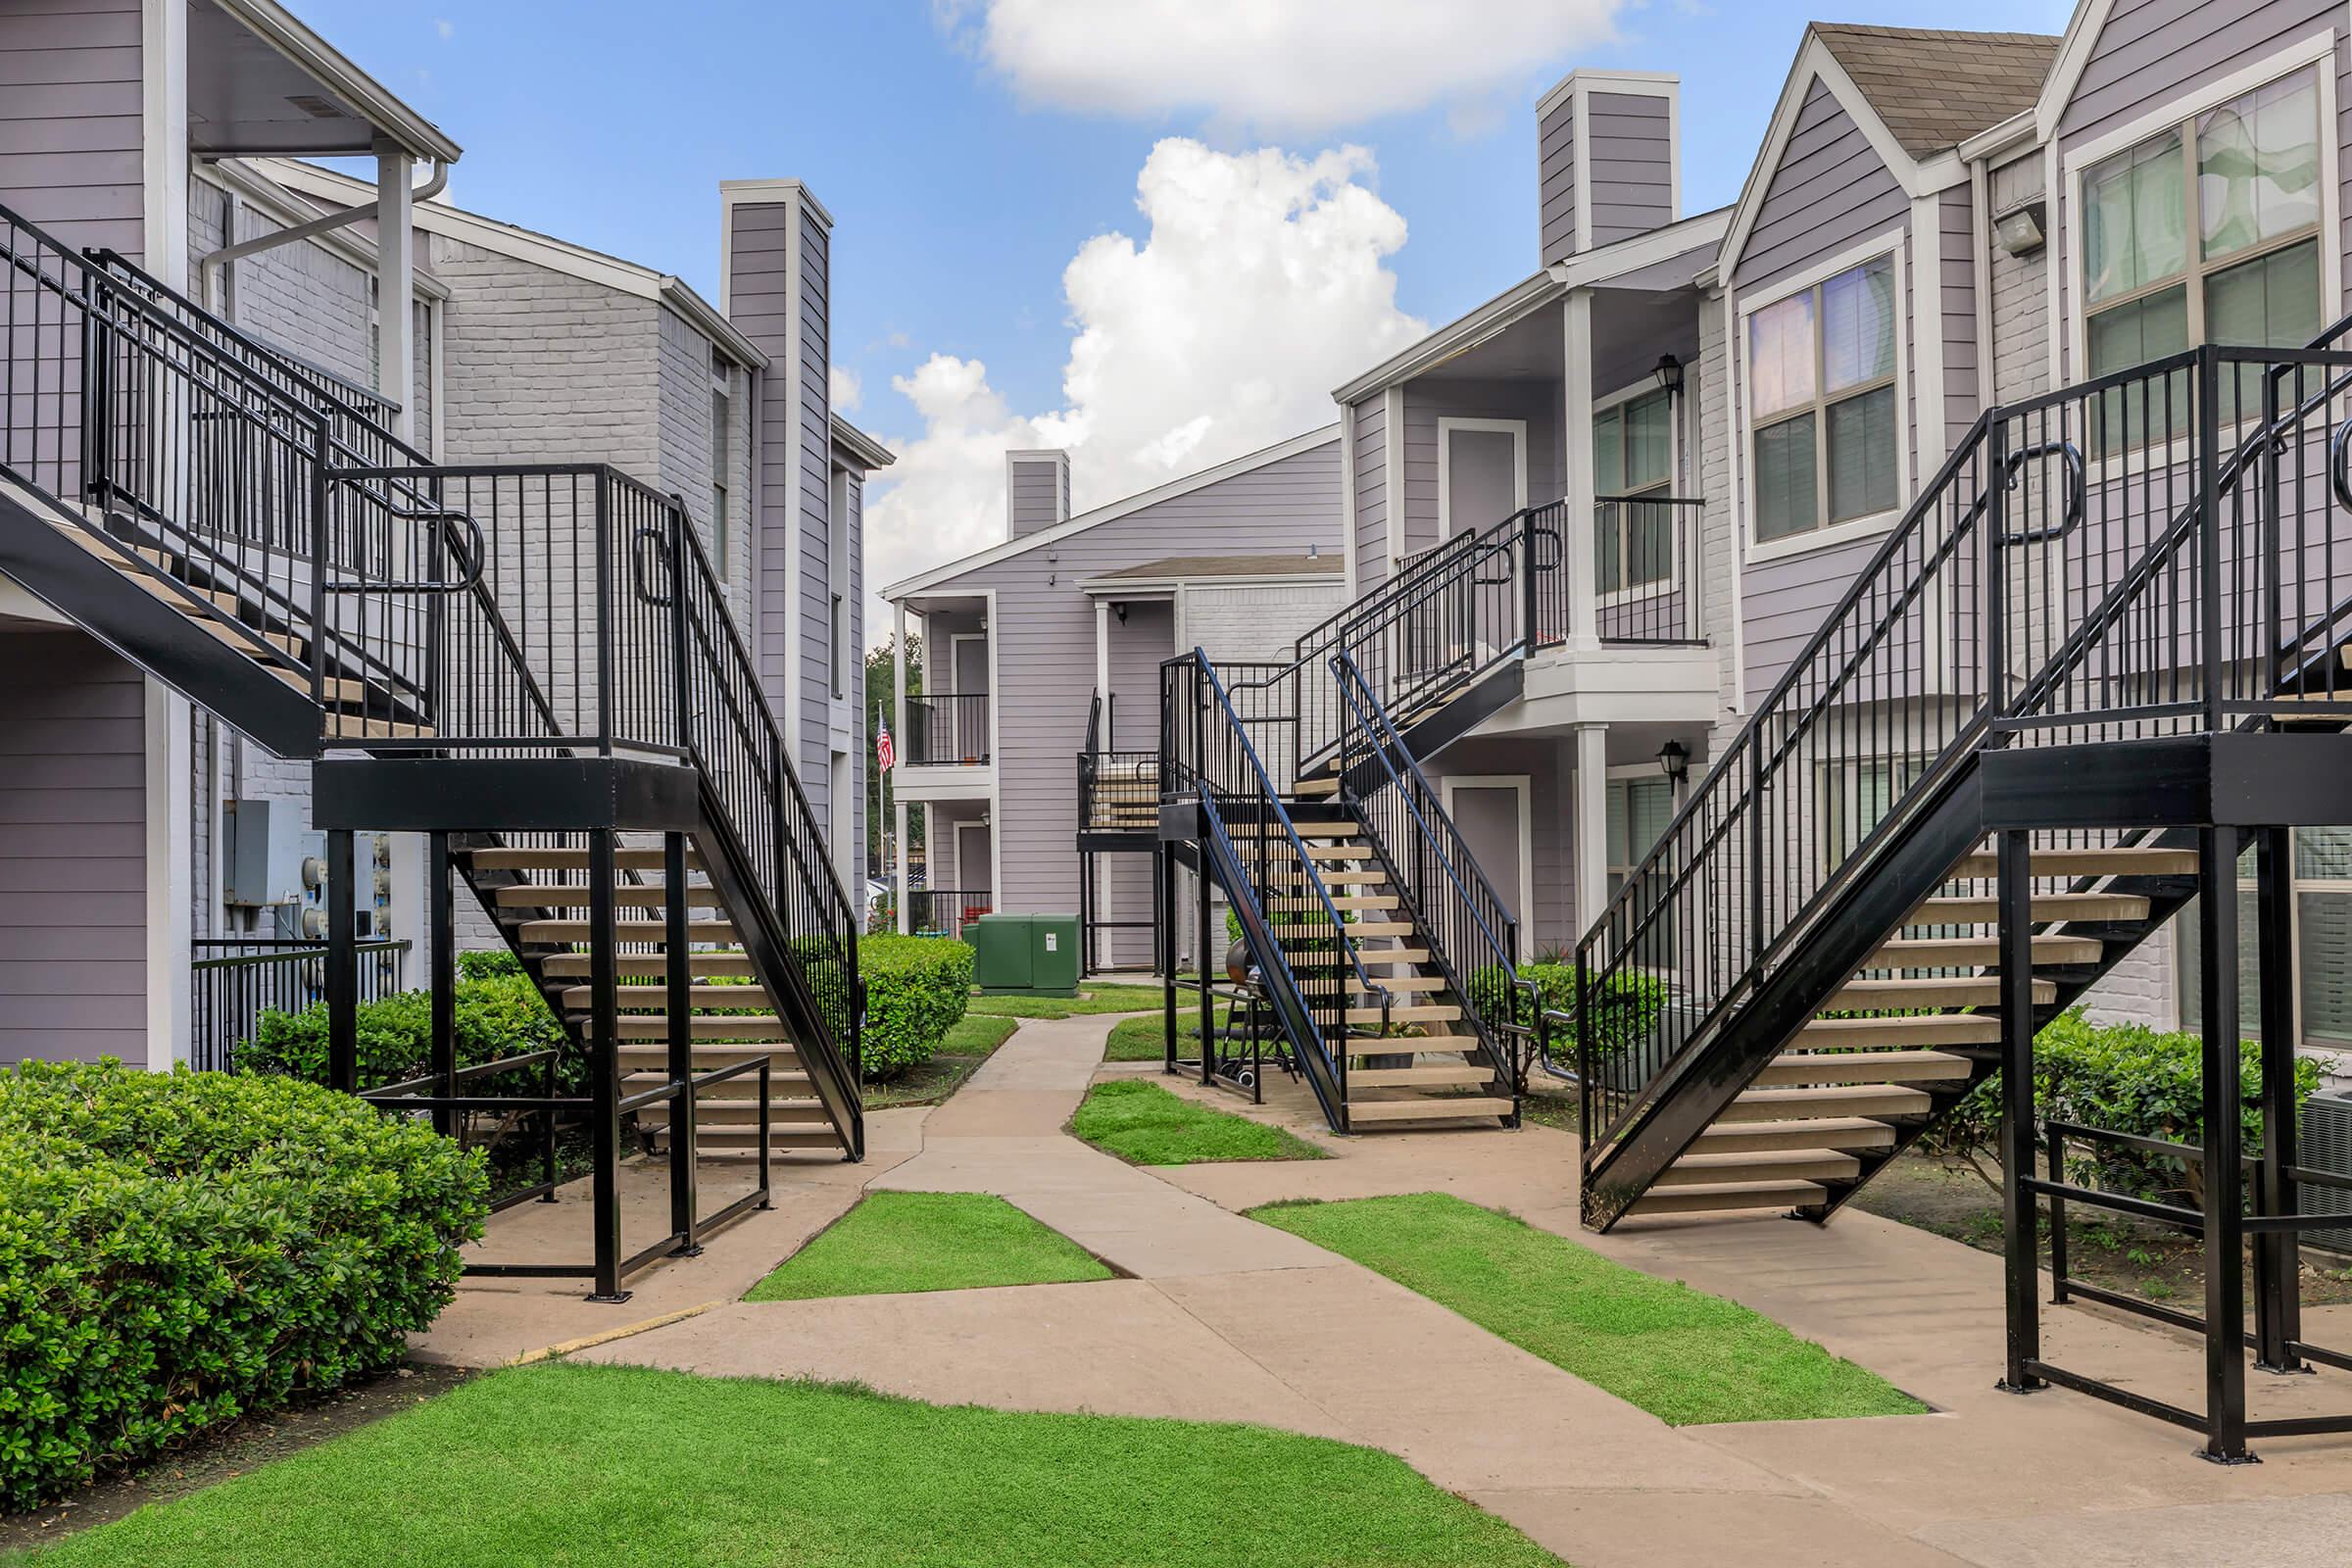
[958,206]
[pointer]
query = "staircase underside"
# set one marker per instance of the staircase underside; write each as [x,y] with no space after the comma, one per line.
[1775,1107]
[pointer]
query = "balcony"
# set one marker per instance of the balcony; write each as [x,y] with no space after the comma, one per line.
[946,729]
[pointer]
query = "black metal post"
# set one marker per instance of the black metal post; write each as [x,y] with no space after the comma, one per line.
[1162,858]
[2225,1177]
[603,1059]
[1085,884]
[2277,1261]
[2017,1209]
[1209,1050]
[1996,587]
[2059,1295]
[2209,595]
[1527,591]
[441,918]
[678,969]
[342,963]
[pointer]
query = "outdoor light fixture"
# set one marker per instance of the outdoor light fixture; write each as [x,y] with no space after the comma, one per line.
[1670,373]
[1121,609]
[1673,761]
[2017,230]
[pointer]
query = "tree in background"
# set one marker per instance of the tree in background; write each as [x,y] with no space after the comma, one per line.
[881,696]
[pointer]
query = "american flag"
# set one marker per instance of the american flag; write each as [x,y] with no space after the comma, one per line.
[886,756]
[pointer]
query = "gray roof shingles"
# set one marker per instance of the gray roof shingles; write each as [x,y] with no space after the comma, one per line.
[1934,88]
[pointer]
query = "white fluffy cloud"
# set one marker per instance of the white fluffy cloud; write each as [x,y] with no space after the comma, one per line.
[1261,283]
[1276,64]
[844,388]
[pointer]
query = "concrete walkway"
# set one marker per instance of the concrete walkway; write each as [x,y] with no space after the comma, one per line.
[1222,1318]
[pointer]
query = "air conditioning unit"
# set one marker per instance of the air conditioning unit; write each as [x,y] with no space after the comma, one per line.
[2327,1145]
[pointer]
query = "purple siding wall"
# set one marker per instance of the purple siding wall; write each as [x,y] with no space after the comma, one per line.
[71,139]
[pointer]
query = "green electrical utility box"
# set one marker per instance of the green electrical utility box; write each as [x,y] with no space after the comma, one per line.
[1025,954]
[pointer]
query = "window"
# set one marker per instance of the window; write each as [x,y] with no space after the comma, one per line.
[2222,250]
[2322,949]
[1632,461]
[722,464]
[1857,798]
[1639,809]
[1821,401]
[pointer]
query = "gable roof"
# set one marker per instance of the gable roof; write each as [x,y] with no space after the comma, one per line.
[1005,550]
[862,451]
[1934,88]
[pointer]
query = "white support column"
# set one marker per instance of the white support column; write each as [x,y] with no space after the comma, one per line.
[1576,492]
[1592,821]
[1102,651]
[897,731]
[396,288]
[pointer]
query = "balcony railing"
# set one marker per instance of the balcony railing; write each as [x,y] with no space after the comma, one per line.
[1644,568]
[237,979]
[946,912]
[946,729]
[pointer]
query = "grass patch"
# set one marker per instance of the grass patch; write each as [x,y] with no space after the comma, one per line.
[617,1468]
[897,1243]
[1142,1123]
[1089,1000]
[1146,1039]
[1683,1355]
[968,1042]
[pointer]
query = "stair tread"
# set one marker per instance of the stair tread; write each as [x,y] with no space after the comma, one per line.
[1864,1066]
[1448,1107]
[1977,953]
[1762,1164]
[643,965]
[653,931]
[557,896]
[1407,1013]
[1812,1132]
[1408,1045]
[2120,859]
[1701,1197]
[656,999]
[561,859]
[1938,1028]
[1446,1074]
[1935,990]
[1984,910]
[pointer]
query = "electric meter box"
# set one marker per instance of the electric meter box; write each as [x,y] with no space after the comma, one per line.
[1025,954]
[266,848]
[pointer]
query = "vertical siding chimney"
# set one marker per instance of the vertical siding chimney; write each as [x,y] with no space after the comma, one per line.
[776,243]
[1608,146]
[1037,491]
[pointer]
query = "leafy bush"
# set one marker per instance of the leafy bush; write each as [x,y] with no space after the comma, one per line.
[488,964]
[916,989]
[178,1250]
[2124,1078]
[498,1015]
[1624,1009]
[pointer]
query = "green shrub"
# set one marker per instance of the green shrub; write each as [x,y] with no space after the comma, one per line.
[178,1250]
[499,1016]
[1625,1006]
[916,989]
[488,964]
[2124,1078]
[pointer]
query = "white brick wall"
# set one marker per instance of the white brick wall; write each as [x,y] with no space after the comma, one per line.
[2021,323]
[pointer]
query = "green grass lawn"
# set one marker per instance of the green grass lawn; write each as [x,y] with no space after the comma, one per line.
[1144,1039]
[958,1054]
[1089,1000]
[619,1467]
[1685,1356]
[893,1243]
[976,1034]
[1144,1123]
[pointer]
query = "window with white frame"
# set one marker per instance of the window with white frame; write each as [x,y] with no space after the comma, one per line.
[1823,403]
[2321,950]
[722,464]
[1633,463]
[1855,798]
[1639,809]
[2207,231]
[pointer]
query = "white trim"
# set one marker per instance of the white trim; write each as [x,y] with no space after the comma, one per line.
[1815,63]
[1619,257]
[1979,279]
[521,244]
[1735,480]
[1482,324]
[1347,500]
[864,451]
[167,731]
[164,133]
[1933,436]
[1391,469]
[758,192]
[1580,152]
[2053,302]
[290,209]
[922,583]
[2311,50]
[1895,242]
[1644,82]
[2075,50]
[436,350]
[1524,784]
[795,737]
[1447,424]
[1677,406]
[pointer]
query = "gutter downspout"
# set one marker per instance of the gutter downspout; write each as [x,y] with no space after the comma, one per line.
[208,266]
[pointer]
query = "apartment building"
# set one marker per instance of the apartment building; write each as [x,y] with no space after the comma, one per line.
[149,831]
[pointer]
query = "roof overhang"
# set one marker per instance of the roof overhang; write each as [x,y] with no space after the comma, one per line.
[2075,46]
[1459,336]
[862,450]
[1159,587]
[2014,134]
[262,83]
[924,581]
[1816,62]
[1699,238]
[527,245]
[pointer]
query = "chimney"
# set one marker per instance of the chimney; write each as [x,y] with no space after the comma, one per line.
[1037,491]
[1607,151]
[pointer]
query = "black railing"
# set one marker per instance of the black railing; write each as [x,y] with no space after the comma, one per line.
[947,728]
[1471,935]
[1306,953]
[946,912]
[1645,577]
[2137,556]
[237,979]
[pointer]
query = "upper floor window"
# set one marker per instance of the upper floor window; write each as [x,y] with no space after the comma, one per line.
[1822,402]
[1633,460]
[2207,232]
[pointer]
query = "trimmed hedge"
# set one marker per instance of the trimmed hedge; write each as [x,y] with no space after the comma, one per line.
[500,1014]
[916,989]
[180,1249]
[1624,1010]
[2124,1078]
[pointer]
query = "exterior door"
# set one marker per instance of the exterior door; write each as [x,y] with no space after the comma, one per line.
[967,715]
[1491,819]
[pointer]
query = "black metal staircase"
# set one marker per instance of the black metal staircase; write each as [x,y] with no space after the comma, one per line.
[535,665]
